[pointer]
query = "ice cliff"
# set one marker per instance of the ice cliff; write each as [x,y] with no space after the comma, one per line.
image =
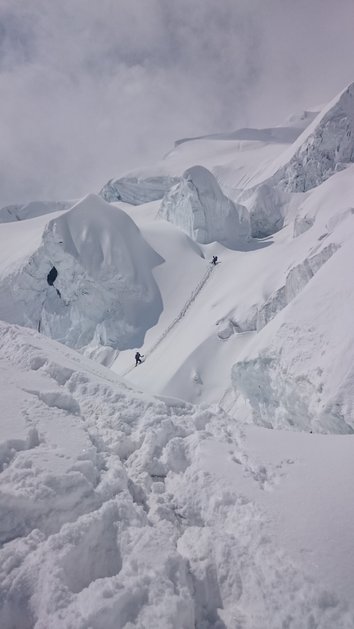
[136,190]
[103,289]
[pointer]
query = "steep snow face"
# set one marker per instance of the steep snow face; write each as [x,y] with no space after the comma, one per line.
[298,369]
[137,190]
[324,147]
[22,212]
[89,280]
[199,207]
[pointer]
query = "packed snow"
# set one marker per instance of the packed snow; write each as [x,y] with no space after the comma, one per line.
[209,487]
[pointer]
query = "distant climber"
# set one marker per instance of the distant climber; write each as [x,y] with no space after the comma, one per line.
[138,358]
[215,260]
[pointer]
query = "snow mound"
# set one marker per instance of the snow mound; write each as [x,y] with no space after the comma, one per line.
[88,282]
[199,207]
[22,212]
[137,190]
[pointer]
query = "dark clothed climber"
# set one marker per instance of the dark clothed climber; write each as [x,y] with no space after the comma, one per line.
[138,358]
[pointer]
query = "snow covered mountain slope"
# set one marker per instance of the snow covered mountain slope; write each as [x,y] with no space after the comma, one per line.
[325,146]
[299,368]
[118,510]
[194,322]
[232,162]
[198,206]
[234,158]
[82,277]
[261,168]
[238,316]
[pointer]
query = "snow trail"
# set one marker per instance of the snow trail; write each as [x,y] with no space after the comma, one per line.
[139,518]
[179,317]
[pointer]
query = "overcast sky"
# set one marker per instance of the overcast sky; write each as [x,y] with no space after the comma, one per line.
[92,88]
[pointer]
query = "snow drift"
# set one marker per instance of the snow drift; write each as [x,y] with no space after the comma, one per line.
[103,290]
[199,207]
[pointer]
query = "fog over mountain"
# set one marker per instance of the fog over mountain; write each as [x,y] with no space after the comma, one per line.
[90,90]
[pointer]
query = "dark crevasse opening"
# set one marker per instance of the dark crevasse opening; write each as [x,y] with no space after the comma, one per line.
[52,276]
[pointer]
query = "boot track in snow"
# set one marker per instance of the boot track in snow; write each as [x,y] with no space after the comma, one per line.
[179,317]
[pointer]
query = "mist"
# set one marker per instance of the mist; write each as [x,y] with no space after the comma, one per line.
[90,90]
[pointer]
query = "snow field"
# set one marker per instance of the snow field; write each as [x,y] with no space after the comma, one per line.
[131,512]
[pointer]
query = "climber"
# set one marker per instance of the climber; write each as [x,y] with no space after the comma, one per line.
[138,358]
[214,260]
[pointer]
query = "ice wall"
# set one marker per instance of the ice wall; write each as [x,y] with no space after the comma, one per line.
[199,207]
[104,292]
[137,190]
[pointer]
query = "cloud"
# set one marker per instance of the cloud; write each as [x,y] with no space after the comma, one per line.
[90,89]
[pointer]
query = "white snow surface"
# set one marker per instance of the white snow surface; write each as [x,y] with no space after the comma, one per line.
[264,332]
[119,510]
[198,206]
